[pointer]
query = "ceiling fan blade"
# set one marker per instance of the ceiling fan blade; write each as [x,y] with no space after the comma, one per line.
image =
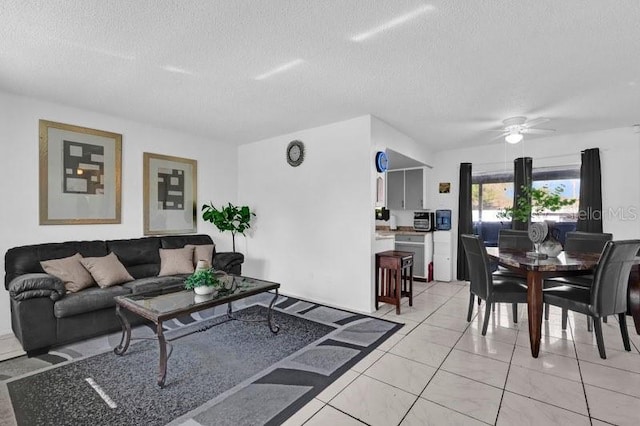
[536,121]
[495,130]
[500,136]
[538,131]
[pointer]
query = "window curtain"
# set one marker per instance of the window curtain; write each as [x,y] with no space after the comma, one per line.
[465,221]
[590,208]
[522,177]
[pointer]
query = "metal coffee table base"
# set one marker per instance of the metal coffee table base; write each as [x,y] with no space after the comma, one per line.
[125,340]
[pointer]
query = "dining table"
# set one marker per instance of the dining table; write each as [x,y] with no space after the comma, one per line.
[536,271]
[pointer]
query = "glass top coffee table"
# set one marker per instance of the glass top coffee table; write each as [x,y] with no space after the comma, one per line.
[160,306]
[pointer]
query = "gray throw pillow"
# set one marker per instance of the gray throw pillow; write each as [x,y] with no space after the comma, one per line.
[107,270]
[70,271]
[202,252]
[176,261]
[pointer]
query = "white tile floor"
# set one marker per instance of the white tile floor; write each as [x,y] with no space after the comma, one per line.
[440,370]
[9,347]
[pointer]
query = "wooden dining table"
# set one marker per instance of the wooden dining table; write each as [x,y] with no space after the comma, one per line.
[536,271]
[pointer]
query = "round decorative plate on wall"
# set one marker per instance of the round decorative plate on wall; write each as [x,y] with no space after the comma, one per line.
[295,153]
[382,162]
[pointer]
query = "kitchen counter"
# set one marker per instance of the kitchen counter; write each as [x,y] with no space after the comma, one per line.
[400,231]
[384,236]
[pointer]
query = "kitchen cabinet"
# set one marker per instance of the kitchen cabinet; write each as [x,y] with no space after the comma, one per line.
[413,189]
[406,189]
[395,190]
[415,244]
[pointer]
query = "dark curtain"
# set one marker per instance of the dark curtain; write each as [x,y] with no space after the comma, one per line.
[590,208]
[465,222]
[522,177]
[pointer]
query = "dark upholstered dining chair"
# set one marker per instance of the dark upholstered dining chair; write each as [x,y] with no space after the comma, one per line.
[487,287]
[514,240]
[607,294]
[579,242]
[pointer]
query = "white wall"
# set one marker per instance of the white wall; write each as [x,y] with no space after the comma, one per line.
[217,171]
[619,157]
[313,228]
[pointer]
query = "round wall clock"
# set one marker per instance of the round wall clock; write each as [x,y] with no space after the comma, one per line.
[382,162]
[295,153]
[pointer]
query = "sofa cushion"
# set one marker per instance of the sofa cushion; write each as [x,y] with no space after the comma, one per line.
[70,271]
[176,261]
[145,285]
[26,259]
[139,255]
[202,252]
[179,241]
[90,299]
[107,270]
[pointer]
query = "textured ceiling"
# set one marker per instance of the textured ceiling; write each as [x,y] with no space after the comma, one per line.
[443,78]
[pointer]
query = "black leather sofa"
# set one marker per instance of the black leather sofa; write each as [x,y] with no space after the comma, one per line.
[44,315]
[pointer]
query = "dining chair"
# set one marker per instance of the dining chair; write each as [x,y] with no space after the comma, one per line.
[487,287]
[514,240]
[578,242]
[607,294]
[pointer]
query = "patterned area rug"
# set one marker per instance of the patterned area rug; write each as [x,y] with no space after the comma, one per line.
[234,373]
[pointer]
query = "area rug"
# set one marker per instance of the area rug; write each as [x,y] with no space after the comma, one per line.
[234,373]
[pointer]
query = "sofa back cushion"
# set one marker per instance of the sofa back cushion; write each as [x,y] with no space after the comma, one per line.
[26,259]
[140,256]
[179,241]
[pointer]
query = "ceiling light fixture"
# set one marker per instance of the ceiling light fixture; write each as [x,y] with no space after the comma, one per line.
[393,23]
[514,137]
[279,69]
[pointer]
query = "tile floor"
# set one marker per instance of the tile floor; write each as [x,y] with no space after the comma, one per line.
[440,370]
[10,347]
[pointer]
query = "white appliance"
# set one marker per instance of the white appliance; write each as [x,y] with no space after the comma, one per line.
[393,222]
[442,256]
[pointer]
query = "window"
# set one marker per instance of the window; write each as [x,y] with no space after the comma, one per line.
[492,192]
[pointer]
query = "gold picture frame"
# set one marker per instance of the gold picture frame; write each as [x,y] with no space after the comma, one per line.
[80,175]
[169,194]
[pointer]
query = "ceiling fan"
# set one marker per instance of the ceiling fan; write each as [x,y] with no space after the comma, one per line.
[515,128]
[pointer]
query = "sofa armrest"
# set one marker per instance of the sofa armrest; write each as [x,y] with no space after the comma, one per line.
[228,262]
[28,286]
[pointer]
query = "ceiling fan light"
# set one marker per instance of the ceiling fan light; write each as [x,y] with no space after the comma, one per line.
[513,138]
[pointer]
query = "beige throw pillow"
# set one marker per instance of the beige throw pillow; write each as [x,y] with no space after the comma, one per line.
[176,261]
[107,270]
[69,269]
[202,252]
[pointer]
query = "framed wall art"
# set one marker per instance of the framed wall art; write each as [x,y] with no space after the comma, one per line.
[169,194]
[444,187]
[80,175]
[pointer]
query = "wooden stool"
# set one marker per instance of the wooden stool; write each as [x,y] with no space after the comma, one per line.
[394,277]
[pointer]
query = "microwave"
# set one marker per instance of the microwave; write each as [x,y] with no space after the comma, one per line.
[424,221]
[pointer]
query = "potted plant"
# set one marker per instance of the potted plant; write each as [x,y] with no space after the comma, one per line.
[230,218]
[202,282]
[535,201]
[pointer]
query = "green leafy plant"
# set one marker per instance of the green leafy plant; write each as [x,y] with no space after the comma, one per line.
[230,218]
[205,277]
[534,202]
